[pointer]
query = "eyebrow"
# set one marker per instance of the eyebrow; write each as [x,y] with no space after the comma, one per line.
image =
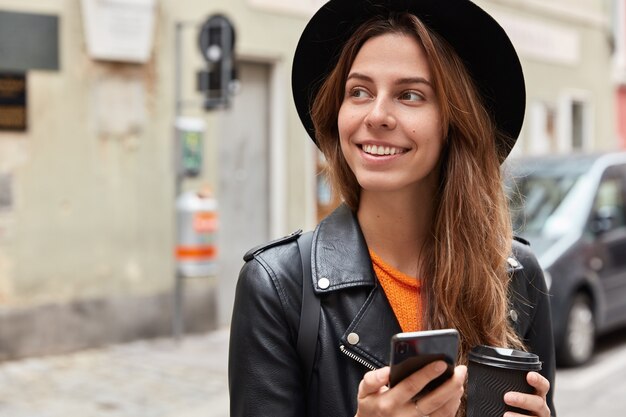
[401,81]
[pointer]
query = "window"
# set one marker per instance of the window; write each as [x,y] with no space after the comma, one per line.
[575,125]
[543,138]
[578,125]
[609,205]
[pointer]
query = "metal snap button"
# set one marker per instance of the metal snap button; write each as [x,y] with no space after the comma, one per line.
[323,283]
[513,315]
[513,262]
[353,338]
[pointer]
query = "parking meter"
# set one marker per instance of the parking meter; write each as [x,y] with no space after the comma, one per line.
[189,146]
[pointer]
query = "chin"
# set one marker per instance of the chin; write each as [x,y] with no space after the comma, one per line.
[380,186]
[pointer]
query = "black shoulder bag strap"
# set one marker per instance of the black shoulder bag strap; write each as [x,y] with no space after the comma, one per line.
[310,313]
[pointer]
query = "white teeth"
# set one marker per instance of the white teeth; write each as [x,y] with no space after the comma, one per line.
[381,150]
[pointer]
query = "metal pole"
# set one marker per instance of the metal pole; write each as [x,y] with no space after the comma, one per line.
[227,65]
[178,323]
[177,317]
[178,56]
[179,289]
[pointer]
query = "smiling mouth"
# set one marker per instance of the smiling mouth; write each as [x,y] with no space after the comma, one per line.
[382,150]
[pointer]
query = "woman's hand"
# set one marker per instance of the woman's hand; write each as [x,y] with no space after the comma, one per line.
[376,399]
[535,404]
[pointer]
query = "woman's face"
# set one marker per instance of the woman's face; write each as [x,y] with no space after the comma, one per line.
[389,122]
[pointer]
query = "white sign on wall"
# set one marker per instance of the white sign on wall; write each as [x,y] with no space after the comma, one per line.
[300,7]
[541,41]
[119,30]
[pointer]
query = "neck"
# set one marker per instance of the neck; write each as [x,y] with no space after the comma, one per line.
[396,227]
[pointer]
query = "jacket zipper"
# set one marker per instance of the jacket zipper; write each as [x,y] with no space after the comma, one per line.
[357,358]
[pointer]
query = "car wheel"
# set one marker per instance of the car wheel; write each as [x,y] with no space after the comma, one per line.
[578,341]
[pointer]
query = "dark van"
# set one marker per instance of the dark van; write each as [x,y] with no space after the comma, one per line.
[572,209]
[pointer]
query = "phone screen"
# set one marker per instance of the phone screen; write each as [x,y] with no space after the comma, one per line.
[412,351]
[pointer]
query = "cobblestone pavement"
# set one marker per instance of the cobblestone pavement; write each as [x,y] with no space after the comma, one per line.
[156,378]
[162,378]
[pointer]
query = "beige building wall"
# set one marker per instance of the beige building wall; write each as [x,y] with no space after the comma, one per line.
[566,51]
[91,179]
[87,236]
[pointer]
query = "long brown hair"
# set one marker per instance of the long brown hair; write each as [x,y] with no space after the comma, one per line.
[466,283]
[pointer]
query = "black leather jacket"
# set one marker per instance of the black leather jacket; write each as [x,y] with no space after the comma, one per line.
[265,375]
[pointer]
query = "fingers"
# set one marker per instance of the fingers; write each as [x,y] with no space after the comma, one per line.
[535,404]
[415,382]
[445,400]
[529,402]
[375,399]
[537,381]
[373,381]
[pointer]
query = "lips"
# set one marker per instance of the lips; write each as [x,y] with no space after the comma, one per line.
[380,150]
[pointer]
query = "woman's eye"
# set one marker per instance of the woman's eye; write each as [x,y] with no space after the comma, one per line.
[411,96]
[358,93]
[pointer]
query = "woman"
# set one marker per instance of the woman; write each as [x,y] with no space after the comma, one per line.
[414,104]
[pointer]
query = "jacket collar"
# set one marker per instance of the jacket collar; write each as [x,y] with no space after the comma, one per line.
[339,255]
[340,259]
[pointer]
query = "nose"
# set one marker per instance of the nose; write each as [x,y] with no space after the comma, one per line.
[380,115]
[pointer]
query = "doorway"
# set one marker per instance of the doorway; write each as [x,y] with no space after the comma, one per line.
[244,178]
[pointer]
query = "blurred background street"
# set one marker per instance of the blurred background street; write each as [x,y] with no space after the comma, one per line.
[136,169]
[156,378]
[597,388]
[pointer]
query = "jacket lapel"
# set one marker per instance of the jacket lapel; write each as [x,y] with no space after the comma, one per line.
[369,334]
[340,260]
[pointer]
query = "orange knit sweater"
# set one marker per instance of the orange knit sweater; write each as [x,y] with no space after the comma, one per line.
[403,293]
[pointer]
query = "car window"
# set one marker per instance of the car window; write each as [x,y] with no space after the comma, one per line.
[537,199]
[609,204]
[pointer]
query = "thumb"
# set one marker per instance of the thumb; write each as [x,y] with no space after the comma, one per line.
[373,381]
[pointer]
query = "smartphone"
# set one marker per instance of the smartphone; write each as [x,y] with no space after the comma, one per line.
[414,350]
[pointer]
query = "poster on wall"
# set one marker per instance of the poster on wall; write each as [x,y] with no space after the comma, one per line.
[13,101]
[29,41]
[119,30]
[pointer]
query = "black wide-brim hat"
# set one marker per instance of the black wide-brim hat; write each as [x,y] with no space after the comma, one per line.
[477,38]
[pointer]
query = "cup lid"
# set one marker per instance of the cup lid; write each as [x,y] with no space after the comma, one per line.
[505,358]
